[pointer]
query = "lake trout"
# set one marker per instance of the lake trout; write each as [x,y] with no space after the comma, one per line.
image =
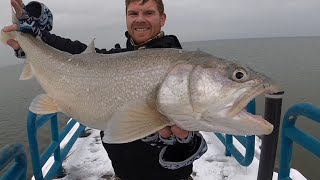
[133,94]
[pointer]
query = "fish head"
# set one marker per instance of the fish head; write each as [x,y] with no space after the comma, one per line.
[214,96]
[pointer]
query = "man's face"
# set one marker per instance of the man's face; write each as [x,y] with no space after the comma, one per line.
[144,21]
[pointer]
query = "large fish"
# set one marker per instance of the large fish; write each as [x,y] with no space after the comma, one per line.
[133,94]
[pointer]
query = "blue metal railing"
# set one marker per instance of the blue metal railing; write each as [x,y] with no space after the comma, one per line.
[18,171]
[292,134]
[54,148]
[247,141]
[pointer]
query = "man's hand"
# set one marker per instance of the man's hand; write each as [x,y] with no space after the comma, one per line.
[178,132]
[34,18]
[18,8]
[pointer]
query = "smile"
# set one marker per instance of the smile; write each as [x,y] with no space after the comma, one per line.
[141,29]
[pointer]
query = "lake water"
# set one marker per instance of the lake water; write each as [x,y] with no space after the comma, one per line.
[293,62]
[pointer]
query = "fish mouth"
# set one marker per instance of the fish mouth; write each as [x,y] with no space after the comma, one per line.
[238,110]
[240,104]
[262,126]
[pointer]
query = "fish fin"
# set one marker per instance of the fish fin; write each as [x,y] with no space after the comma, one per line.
[26,72]
[43,104]
[14,18]
[91,48]
[5,36]
[132,122]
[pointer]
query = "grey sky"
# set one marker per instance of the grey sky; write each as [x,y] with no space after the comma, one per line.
[190,20]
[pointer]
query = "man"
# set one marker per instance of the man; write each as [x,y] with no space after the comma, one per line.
[165,155]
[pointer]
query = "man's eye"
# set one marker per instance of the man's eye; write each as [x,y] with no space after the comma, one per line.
[149,13]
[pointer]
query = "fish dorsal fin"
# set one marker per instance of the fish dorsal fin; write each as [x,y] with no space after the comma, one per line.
[132,122]
[91,48]
[26,72]
[43,104]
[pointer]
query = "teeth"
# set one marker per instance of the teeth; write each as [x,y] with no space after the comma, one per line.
[141,29]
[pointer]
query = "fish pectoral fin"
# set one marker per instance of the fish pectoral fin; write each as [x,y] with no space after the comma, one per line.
[132,122]
[43,104]
[26,72]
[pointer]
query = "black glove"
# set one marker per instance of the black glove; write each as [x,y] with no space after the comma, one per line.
[183,154]
[36,18]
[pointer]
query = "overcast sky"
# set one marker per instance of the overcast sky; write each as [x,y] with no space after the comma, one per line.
[190,20]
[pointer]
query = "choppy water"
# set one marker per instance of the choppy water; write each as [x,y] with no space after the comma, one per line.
[293,62]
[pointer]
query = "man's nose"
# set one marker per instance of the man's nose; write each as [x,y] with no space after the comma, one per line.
[140,18]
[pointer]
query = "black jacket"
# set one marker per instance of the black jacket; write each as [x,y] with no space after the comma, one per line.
[135,160]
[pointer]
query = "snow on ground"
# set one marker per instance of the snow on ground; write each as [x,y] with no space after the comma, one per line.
[88,160]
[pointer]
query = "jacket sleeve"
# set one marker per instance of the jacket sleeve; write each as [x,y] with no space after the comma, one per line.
[38,20]
[73,47]
[63,44]
[67,45]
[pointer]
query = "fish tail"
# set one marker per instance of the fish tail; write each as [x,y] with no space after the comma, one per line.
[5,36]
[14,18]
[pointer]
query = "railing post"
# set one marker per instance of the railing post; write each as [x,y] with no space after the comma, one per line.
[33,144]
[229,140]
[55,138]
[59,147]
[273,104]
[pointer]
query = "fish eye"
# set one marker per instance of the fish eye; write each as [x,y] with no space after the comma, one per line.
[240,75]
